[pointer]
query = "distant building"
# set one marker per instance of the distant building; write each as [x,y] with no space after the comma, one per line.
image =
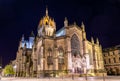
[112,60]
[60,53]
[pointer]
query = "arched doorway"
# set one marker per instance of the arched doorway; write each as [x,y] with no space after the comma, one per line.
[75,51]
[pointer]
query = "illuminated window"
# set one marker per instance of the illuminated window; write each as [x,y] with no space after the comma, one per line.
[113,53]
[61,56]
[49,60]
[104,61]
[46,23]
[49,57]
[49,52]
[114,60]
[75,45]
[109,60]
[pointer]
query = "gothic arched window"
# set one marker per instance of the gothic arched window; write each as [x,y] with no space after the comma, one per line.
[49,57]
[109,60]
[61,55]
[49,52]
[75,45]
[114,60]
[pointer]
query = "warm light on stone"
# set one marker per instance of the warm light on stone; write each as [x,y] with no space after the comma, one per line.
[60,53]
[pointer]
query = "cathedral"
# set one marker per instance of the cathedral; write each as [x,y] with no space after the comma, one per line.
[59,53]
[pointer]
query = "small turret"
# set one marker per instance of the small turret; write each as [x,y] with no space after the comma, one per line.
[83,31]
[74,23]
[97,41]
[32,34]
[92,40]
[31,39]
[83,26]
[22,39]
[65,22]
[46,11]
[21,44]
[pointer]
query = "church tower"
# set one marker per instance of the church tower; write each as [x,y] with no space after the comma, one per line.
[60,53]
[47,26]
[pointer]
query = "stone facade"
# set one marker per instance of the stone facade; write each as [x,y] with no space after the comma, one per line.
[112,60]
[64,52]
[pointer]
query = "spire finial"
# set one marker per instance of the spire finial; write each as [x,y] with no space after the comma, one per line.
[97,41]
[65,18]
[46,11]
[74,23]
[22,37]
[83,26]
[92,40]
[65,22]
[32,34]
[82,23]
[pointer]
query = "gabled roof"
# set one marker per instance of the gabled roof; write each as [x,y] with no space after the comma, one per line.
[61,32]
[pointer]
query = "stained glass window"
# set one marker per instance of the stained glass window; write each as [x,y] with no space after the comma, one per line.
[75,45]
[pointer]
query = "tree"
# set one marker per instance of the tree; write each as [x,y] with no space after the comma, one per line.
[8,70]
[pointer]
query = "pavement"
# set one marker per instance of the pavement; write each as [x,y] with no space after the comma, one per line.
[108,78]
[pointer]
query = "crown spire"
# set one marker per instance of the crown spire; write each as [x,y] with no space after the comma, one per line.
[46,11]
